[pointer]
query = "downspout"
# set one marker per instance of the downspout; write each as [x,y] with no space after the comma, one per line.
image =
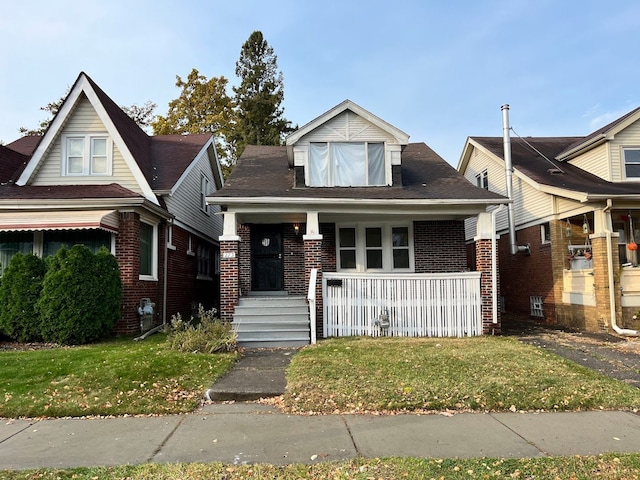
[612,295]
[508,166]
[494,270]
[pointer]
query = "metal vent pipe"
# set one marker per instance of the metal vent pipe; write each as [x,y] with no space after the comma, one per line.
[513,246]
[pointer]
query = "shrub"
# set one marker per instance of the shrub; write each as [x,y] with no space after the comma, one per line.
[81,294]
[19,292]
[202,334]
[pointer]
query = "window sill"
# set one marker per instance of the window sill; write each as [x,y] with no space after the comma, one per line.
[148,278]
[204,277]
[191,253]
[170,246]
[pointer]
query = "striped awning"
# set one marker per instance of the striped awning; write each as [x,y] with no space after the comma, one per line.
[59,220]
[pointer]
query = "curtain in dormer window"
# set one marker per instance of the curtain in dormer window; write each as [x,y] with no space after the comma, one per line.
[343,164]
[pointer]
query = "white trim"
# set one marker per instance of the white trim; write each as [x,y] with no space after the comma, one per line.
[401,137]
[453,202]
[82,85]
[154,251]
[386,247]
[87,155]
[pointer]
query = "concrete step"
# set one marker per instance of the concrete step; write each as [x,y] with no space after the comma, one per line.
[271,310]
[249,343]
[261,302]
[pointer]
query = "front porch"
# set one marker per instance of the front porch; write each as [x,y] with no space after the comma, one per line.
[435,296]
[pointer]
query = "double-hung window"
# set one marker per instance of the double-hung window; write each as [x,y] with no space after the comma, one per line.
[346,164]
[383,248]
[148,251]
[482,180]
[204,190]
[631,163]
[86,155]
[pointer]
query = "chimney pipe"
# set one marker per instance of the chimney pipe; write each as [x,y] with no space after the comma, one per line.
[513,246]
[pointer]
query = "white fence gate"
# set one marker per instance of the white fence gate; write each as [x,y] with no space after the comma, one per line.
[417,305]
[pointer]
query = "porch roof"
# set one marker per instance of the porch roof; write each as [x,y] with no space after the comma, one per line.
[61,220]
[263,172]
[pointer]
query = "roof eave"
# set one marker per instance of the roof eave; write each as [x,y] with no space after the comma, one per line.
[574,152]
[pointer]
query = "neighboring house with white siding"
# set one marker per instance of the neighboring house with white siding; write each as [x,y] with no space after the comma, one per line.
[577,208]
[96,178]
[365,225]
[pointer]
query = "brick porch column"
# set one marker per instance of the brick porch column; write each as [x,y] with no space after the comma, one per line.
[313,259]
[602,322]
[484,266]
[229,278]
[128,256]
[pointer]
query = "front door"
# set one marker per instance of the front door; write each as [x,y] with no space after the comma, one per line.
[266,258]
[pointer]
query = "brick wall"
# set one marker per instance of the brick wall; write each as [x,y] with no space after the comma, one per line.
[293,256]
[523,276]
[483,265]
[229,278]
[313,253]
[439,246]
[244,253]
[134,289]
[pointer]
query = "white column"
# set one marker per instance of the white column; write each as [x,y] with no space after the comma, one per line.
[229,229]
[313,227]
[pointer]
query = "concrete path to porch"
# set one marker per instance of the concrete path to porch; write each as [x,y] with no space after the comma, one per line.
[260,373]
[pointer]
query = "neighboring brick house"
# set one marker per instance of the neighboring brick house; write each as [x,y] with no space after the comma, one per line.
[379,220]
[96,178]
[576,203]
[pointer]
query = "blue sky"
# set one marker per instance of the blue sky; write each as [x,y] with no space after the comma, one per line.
[437,70]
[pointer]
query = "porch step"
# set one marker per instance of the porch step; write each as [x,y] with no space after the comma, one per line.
[272,321]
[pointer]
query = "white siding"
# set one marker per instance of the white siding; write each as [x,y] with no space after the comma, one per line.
[629,137]
[595,161]
[83,120]
[529,204]
[347,127]
[185,201]
[566,207]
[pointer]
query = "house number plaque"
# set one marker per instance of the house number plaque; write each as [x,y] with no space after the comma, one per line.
[228,254]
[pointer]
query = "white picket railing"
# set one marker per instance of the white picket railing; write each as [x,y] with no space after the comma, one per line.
[417,305]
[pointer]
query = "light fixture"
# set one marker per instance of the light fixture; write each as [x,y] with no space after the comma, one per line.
[296,228]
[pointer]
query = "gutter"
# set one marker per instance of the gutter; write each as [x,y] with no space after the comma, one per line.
[612,297]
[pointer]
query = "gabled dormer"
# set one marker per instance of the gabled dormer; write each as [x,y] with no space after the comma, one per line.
[346,147]
[91,141]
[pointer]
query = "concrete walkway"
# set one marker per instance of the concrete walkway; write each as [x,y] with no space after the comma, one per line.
[253,433]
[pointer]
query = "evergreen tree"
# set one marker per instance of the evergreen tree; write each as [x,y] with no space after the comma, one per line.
[259,97]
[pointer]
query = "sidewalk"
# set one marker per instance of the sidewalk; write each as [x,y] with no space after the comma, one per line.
[252,433]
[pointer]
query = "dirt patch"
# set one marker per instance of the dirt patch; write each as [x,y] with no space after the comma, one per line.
[26,347]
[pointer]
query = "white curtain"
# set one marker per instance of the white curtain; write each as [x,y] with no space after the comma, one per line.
[376,163]
[348,164]
[318,165]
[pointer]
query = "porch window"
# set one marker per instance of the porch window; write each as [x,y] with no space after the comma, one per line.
[632,163]
[12,243]
[385,248]
[53,240]
[347,247]
[86,155]
[148,251]
[346,164]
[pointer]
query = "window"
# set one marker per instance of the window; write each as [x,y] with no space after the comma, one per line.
[86,155]
[383,248]
[545,232]
[53,240]
[343,164]
[12,243]
[170,244]
[148,251]
[482,180]
[204,190]
[204,261]
[632,163]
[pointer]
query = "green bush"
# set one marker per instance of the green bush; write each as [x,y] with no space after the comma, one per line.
[19,292]
[202,334]
[80,300]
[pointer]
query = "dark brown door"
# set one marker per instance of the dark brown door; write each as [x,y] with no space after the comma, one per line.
[266,257]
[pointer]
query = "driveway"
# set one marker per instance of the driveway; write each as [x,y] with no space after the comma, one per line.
[613,355]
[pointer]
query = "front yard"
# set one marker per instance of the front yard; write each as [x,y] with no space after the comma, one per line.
[108,378]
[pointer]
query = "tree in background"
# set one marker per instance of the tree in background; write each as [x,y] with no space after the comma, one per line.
[202,107]
[259,97]
[142,115]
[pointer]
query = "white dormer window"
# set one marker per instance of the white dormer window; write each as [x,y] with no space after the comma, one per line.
[346,164]
[86,155]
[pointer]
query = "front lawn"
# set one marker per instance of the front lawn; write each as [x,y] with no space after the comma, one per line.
[109,378]
[605,467]
[435,374]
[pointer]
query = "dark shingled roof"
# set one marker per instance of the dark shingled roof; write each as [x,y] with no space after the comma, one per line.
[25,145]
[546,171]
[65,192]
[263,171]
[11,162]
[171,155]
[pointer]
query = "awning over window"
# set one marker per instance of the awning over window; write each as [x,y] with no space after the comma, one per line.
[60,220]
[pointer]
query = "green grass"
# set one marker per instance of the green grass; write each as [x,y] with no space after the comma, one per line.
[110,378]
[473,374]
[606,467]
